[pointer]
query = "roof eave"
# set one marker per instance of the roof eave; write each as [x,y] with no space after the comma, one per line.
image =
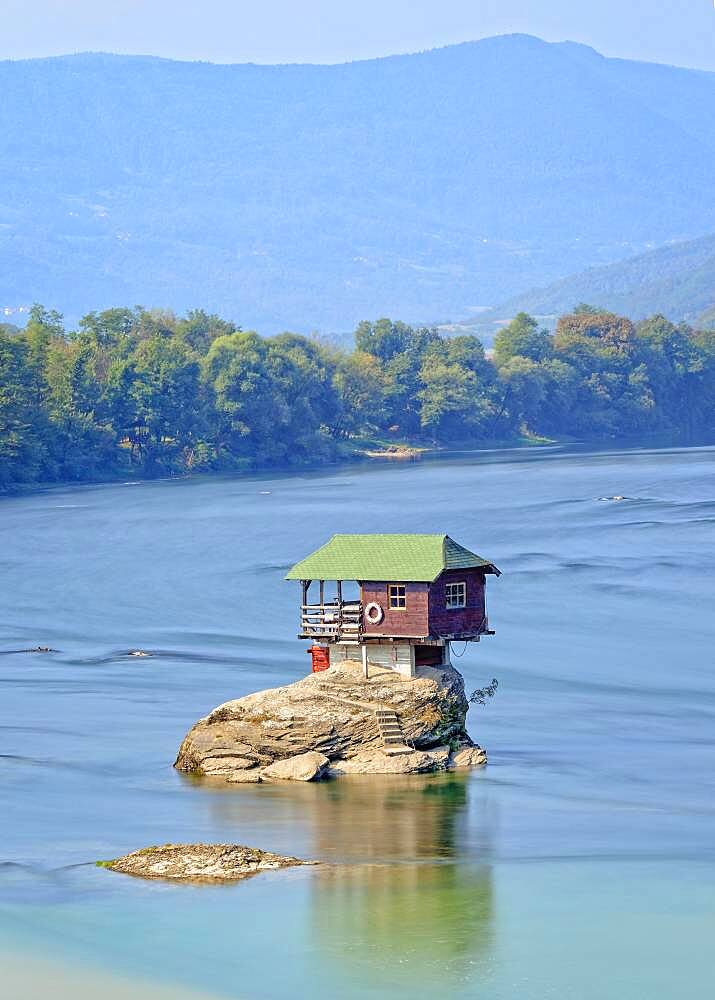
[488,568]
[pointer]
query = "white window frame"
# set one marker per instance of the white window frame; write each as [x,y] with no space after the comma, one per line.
[460,586]
[397,596]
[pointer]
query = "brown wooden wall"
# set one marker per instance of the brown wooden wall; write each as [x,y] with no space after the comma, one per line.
[426,613]
[444,622]
[414,620]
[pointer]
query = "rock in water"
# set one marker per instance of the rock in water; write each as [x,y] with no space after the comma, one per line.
[331,716]
[469,757]
[199,862]
[302,767]
[378,762]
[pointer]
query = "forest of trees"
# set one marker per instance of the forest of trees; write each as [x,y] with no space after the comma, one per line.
[146,393]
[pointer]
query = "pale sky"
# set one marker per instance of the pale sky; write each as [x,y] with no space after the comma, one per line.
[681,32]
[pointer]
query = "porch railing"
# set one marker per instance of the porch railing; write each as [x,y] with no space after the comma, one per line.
[339,621]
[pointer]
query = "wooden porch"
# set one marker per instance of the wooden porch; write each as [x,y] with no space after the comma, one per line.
[332,621]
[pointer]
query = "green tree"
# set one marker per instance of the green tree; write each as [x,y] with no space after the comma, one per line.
[43,327]
[111,328]
[384,339]
[199,329]
[596,340]
[361,386]
[82,446]
[271,397]
[558,404]
[521,338]
[678,374]
[157,403]
[454,406]
[526,383]
[21,448]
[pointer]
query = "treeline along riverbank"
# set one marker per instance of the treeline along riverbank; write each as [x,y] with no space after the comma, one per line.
[148,393]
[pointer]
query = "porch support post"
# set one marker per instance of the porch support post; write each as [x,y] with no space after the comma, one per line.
[364,660]
[340,608]
[305,584]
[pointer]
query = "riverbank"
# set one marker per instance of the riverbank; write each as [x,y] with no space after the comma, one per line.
[356,450]
[362,452]
[379,451]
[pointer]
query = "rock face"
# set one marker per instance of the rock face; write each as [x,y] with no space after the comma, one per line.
[199,862]
[331,717]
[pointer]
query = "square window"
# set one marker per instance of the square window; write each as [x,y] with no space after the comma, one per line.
[397,596]
[456,594]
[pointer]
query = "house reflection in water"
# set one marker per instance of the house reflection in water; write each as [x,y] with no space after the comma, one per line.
[410,903]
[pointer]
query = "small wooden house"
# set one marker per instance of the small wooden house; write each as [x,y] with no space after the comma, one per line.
[412,596]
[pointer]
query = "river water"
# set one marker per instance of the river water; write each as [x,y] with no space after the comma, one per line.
[579,864]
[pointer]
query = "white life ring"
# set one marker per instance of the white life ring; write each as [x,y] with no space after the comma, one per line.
[373,613]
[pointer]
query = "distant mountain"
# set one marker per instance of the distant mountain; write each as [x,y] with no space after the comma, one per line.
[676,280]
[312,196]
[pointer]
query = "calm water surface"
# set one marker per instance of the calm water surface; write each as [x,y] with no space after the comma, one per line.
[579,864]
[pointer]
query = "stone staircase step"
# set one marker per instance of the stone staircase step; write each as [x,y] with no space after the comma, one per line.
[390,729]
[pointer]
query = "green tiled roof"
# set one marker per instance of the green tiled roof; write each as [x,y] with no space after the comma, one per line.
[409,558]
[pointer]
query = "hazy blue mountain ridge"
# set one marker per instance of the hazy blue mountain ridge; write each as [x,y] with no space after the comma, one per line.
[312,196]
[677,280]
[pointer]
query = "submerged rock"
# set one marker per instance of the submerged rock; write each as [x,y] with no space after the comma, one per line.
[283,732]
[201,862]
[244,777]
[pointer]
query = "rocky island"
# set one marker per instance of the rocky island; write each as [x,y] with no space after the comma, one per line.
[337,722]
[199,862]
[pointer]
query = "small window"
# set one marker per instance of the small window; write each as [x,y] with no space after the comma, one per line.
[397,596]
[456,594]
